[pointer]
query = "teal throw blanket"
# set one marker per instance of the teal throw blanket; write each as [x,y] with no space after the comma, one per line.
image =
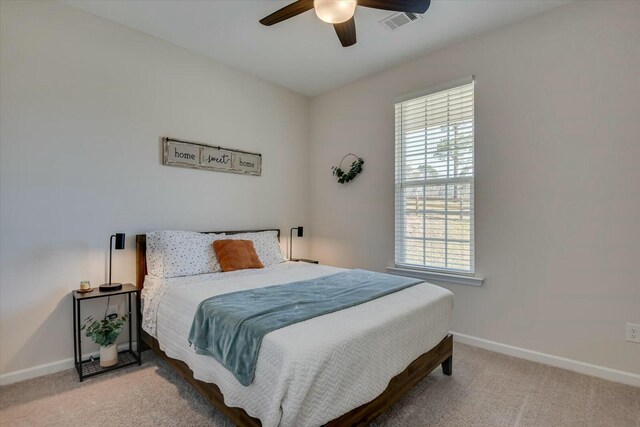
[230,327]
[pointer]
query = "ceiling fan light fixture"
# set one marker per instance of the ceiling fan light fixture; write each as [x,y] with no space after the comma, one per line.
[335,11]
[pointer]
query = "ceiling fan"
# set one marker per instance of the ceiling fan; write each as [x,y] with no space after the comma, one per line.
[340,13]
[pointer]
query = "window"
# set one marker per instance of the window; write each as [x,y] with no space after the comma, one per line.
[434,180]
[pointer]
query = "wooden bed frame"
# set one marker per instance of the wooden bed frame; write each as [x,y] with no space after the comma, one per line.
[441,354]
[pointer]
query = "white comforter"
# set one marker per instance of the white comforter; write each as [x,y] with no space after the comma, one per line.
[314,371]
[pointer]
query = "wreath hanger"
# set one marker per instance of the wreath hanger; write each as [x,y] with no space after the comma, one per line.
[355,170]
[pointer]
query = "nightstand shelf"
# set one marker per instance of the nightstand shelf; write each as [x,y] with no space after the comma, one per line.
[91,366]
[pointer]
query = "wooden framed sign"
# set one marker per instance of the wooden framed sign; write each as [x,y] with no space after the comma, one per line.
[188,154]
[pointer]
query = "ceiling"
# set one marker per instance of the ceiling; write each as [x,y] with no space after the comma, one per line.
[303,53]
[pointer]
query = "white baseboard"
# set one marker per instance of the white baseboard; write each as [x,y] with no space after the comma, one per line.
[48,368]
[548,359]
[522,353]
[36,371]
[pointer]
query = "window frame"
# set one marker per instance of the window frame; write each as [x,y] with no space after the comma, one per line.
[434,272]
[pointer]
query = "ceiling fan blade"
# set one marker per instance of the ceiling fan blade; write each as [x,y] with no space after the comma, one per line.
[346,32]
[414,6]
[289,11]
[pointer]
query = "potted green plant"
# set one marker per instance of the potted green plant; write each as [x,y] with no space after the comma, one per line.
[105,333]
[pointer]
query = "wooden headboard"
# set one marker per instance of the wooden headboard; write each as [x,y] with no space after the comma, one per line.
[141,251]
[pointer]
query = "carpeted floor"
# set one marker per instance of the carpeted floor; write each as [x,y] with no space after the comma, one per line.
[486,389]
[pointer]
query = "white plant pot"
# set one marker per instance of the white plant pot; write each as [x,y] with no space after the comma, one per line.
[108,355]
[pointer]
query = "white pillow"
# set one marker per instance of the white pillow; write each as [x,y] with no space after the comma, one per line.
[266,245]
[173,253]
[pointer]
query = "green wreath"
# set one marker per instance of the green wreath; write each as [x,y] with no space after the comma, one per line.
[356,169]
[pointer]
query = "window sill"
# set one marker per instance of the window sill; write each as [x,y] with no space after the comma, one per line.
[437,276]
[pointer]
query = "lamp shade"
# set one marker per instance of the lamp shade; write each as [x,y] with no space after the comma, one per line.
[300,231]
[335,11]
[119,241]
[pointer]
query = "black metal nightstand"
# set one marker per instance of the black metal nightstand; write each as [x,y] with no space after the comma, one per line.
[310,261]
[90,367]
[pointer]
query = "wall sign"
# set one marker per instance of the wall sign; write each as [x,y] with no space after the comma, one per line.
[201,156]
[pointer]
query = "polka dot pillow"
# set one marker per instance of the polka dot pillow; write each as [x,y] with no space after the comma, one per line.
[266,245]
[173,253]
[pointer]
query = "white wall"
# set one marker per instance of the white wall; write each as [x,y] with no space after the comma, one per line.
[84,102]
[557,175]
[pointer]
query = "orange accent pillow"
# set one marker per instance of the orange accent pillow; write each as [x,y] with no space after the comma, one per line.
[236,254]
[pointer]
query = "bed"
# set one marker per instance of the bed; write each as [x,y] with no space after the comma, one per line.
[342,368]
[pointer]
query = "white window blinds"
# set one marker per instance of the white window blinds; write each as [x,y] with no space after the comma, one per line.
[434,181]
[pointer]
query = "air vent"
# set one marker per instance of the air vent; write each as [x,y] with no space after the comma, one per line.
[398,20]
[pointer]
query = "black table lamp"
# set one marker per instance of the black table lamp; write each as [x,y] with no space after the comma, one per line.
[119,245]
[300,234]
